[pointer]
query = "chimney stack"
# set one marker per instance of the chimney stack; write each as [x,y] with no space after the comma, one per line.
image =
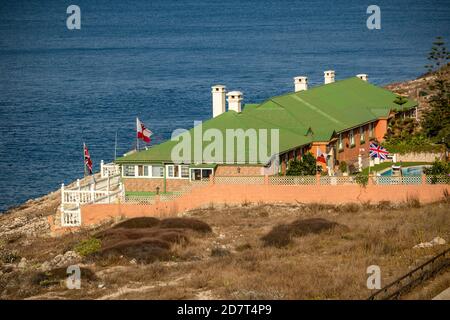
[328,76]
[363,76]
[234,100]
[218,99]
[300,83]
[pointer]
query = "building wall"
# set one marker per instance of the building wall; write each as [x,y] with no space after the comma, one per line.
[150,184]
[236,170]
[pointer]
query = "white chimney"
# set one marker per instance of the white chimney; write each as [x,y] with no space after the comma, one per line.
[234,100]
[329,76]
[218,99]
[300,83]
[363,76]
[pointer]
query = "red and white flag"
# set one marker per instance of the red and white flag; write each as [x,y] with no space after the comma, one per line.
[320,156]
[142,132]
[87,160]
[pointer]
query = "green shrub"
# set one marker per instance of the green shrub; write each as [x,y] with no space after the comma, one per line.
[343,166]
[306,167]
[362,180]
[7,256]
[88,247]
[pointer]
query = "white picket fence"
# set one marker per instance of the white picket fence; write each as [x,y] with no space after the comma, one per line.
[104,190]
[109,169]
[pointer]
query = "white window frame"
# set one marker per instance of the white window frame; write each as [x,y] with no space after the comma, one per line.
[123,171]
[151,171]
[201,172]
[351,138]
[340,142]
[136,172]
[179,171]
[371,130]
[362,134]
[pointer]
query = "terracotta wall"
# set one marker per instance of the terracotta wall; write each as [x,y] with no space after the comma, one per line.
[237,194]
[235,171]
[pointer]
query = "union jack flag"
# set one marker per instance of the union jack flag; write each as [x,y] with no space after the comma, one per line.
[87,159]
[377,151]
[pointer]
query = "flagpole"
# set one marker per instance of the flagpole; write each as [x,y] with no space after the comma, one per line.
[115,148]
[137,138]
[84,159]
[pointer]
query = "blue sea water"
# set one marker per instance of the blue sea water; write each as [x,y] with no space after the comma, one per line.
[157,59]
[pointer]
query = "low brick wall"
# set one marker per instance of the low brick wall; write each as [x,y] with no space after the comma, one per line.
[238,194]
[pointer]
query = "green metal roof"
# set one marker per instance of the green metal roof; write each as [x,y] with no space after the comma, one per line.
[301,117]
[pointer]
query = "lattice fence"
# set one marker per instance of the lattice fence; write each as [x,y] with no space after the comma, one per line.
[389,180]
[292,180]
[240,180]
[144,200]
[438,179]
[336,181]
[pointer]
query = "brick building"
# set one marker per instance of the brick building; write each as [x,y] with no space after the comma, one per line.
[338,119]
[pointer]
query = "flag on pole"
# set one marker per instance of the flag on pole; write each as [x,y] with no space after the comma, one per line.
[377,151]
[87,160]
[142,132]
[321,156]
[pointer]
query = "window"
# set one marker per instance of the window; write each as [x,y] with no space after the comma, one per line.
[157,171]
[142,171]
[184,171]
[341,144]
[128,171]
[370,130]
[177,171]
[170,171]
[201,174]
[361,134]
[351,138]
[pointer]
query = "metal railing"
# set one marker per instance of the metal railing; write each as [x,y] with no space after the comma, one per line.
[413,278]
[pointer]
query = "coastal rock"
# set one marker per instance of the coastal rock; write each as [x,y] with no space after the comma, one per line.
[434,242]
[62,260]
[22,264]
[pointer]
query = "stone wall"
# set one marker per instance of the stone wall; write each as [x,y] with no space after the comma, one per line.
[418,157]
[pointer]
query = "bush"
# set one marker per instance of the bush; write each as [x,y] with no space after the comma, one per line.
[282,235]
[438,168]
[343,166]
[306,167]
[141,222]
[7,256]
[88,247]
[362,180]
[186,223]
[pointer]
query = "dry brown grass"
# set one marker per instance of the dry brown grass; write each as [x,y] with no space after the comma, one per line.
[282,235]
[233,262]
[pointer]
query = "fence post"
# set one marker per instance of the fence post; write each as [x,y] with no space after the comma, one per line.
[107,190]
[424,179]
[101,168]
[370,180]
[62,204]
[266,179]
[79,192]
[92,193]
[318,178]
